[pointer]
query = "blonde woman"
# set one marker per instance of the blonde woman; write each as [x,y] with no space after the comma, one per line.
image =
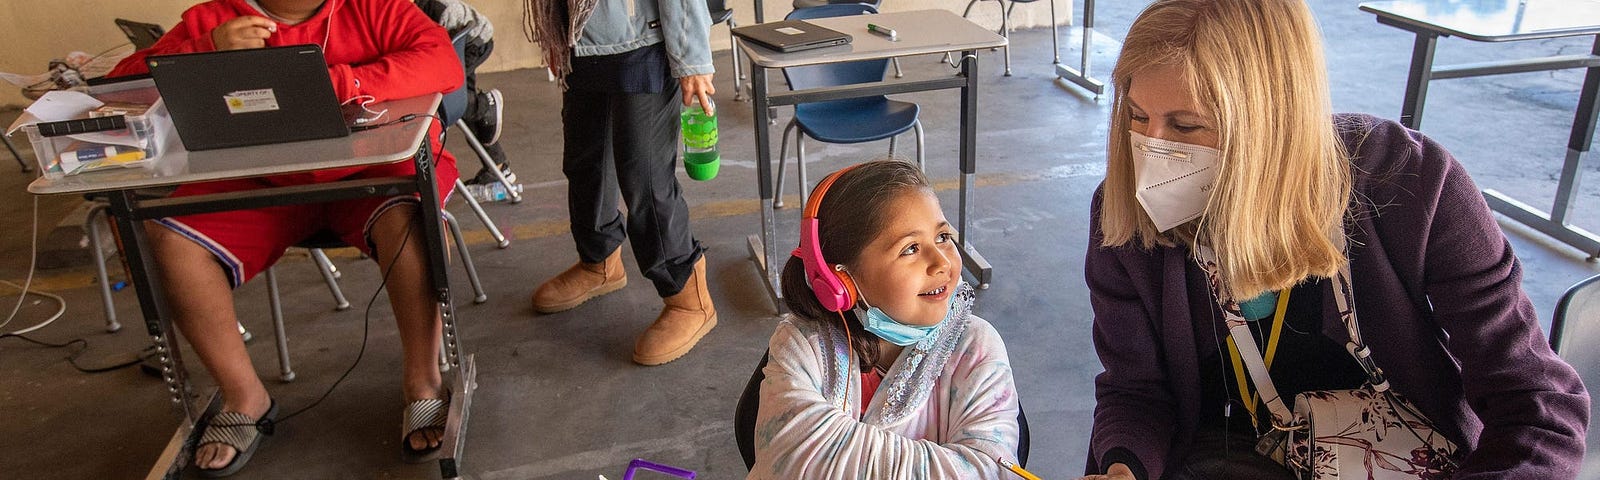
[1222,138]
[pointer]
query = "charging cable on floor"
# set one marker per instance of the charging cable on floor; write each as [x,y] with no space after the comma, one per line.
[61,308]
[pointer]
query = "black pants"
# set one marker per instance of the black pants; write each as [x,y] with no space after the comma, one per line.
[628,142]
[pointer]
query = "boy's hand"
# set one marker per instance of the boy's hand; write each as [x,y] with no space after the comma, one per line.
[243,32]
[698,86]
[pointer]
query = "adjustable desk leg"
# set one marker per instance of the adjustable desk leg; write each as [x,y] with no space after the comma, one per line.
[1417,80]
[158,324]
[1555,223]
[972,260]
[463,378]
[762,249]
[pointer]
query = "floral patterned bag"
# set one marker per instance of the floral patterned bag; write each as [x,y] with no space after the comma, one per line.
[1369,433]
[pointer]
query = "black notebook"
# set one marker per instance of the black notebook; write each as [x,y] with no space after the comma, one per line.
[791,35]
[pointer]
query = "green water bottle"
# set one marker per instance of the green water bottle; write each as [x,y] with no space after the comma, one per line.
[700,156]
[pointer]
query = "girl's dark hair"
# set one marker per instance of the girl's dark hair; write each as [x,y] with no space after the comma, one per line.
[850,216]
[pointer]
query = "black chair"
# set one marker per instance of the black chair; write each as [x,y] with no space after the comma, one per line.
[744,419]
[1575,334]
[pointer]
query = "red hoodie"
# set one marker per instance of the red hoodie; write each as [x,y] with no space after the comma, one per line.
[387,49]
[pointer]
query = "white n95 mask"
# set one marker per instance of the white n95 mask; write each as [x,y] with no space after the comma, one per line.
[1172,180]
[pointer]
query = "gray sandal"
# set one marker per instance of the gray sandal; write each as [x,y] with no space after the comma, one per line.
[421,415]
[239,431]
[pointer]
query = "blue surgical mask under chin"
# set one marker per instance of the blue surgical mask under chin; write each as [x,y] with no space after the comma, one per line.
[892,331]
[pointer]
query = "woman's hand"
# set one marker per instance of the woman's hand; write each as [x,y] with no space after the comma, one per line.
[243,32]
[698,86]
[1116,472]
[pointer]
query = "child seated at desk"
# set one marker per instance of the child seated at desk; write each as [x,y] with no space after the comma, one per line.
[376,50]
[882,371]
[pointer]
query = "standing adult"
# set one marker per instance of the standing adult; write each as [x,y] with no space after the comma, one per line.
[1222,140]
[625,66]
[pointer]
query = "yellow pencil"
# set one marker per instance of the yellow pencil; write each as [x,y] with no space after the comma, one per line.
[1014,468]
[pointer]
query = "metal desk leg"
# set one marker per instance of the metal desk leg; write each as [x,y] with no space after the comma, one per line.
[1080,76]
[759,13]
[159,325]
[462,379]
[1417,80]
[13,148]
[1555,223]
[972,261]
[762,247]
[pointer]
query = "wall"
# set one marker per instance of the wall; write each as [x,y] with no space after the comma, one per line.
[34,31]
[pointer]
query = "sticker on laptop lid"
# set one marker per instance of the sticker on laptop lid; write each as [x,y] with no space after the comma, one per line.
[247,101]
[790,31]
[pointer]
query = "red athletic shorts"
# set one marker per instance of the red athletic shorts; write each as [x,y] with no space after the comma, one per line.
[246,242]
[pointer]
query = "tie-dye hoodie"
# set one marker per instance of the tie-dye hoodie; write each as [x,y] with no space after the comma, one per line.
[946,409]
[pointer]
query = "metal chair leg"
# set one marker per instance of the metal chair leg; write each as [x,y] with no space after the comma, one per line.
[444,359]
[466,256]
[500,239]
[285,370]
[93,226]
[891,147]
[800,164]
[488,162]
[330,276]
[783,154]
[896,63]
[738,75]
[20,162]
[916,127]
[1005,30]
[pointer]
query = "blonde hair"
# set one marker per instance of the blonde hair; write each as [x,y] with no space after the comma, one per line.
[1284,184]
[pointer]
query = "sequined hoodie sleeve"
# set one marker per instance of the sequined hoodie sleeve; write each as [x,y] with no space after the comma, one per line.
[946,409]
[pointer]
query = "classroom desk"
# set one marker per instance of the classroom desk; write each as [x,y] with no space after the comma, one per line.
[920,32]
[176,166]
[1511,20]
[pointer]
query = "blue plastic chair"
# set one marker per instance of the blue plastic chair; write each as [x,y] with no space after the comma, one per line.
[852,120]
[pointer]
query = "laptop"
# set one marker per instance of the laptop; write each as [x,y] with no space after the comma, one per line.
[257,96]
[143,35]
[791,35]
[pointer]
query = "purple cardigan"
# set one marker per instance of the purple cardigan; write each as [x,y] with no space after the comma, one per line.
[1439,294]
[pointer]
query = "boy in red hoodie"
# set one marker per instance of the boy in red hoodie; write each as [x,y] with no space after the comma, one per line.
[382,49]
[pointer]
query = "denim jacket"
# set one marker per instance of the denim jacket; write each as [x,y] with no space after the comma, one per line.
[619,26]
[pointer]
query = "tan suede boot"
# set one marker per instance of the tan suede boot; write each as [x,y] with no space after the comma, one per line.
[686,318]
[580,283]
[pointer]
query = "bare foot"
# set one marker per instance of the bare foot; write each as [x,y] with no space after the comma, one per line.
[216,455]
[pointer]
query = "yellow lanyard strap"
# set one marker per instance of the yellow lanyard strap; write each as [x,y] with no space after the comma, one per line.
[1272,351]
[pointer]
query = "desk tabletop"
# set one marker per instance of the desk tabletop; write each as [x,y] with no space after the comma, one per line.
[178,166]
[919,32]
[1492,20]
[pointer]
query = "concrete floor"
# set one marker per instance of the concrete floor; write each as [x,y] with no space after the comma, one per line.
[559,398]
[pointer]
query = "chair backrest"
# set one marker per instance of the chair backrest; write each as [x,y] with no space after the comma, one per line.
[714,6]
[1575,334]
[454,104]
[744,419]
[834,74]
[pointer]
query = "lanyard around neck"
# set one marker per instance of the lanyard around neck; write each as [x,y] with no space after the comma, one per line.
[1251,400]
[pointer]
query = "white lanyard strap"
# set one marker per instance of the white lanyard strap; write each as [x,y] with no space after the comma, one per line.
[1239,330]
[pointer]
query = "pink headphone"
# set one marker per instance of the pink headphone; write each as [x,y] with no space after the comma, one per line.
[833,286]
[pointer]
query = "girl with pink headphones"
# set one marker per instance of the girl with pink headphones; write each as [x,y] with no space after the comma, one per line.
[882,371]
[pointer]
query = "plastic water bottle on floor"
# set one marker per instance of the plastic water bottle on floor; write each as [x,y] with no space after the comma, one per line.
[701,158]
[492,192]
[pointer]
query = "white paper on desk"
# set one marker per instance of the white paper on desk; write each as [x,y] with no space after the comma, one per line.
[58,105]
